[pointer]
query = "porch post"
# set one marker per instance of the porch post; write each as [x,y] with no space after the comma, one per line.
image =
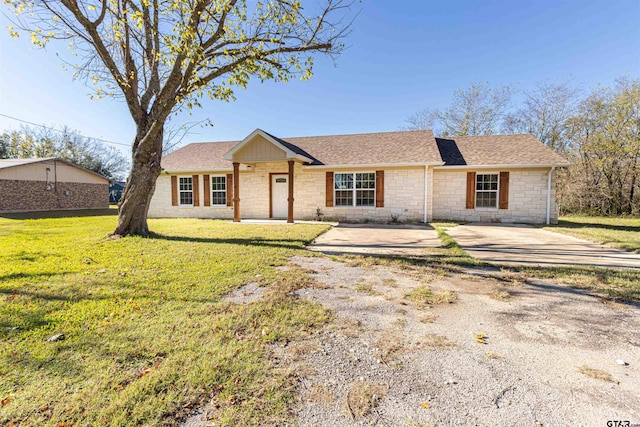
[290,199]
[236,192]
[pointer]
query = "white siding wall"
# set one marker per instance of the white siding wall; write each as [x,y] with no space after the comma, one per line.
[58,172]
[527,197]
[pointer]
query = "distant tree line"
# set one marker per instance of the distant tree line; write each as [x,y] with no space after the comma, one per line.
[89,153]
[598,131]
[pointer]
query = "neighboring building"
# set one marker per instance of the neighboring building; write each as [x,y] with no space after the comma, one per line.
[50,184]
[394,176]
[115,191]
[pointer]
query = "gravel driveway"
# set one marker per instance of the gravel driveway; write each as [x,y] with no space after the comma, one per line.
[548,357]
[502,350]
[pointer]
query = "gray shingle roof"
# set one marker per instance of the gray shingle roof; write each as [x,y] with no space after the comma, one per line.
[200,156]
[416,147]
[496,150]
[405,147]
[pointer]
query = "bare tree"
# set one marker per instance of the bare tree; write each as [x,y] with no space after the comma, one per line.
[422,120]
[544,114]
[174,133]
[477,110]
[164,55]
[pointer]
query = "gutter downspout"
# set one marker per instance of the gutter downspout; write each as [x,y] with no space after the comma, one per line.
[426,168]
[549,194]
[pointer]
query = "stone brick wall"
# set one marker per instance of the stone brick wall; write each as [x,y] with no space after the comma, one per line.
[527,197]
[404,196]
[160,206]
[25,196]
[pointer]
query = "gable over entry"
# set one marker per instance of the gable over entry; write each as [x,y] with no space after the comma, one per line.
[261,147]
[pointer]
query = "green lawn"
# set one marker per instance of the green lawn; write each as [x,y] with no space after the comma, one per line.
[618,232]
[146,337]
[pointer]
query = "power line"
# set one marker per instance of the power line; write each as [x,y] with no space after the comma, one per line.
[61,131]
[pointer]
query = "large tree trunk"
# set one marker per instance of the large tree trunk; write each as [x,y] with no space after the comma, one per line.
[136,197]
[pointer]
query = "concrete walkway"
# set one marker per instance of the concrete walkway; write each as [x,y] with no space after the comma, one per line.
[375,239]
[526,245]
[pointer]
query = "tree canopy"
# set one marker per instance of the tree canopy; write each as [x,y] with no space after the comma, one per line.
[604,136]
[86,152]
[161,56]
[598,132]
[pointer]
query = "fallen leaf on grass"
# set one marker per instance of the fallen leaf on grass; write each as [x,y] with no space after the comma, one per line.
[146,371]
[11,297]
[63,425]
[425,405]
[5,401]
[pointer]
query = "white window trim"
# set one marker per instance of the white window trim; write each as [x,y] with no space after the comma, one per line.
[185,205]
[487,208]
[353,190]
[218,205]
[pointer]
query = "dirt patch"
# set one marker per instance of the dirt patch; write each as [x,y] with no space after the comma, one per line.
[432,365]
[251,292]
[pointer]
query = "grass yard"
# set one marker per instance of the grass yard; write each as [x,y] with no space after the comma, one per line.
[618,232]
[147,338]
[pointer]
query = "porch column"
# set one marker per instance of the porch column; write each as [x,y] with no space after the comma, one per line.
[290,199]
[236,192]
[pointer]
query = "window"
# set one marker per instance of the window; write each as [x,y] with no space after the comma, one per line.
[186,191]
[355,189]
[487,190]
[219,190]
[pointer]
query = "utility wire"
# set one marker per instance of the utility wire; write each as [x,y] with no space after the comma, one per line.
[61,131]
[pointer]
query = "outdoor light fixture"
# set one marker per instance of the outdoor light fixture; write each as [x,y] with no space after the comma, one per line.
[48,185]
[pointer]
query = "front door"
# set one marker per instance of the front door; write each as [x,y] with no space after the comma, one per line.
[279,195]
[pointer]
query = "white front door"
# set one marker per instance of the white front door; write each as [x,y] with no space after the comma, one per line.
[279,196]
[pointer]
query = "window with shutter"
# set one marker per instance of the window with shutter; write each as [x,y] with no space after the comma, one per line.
[185,191]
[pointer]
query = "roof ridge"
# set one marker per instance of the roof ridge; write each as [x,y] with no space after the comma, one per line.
[312,136]
[485,136]
[361,133]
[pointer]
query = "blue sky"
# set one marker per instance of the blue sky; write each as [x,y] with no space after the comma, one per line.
[403,56]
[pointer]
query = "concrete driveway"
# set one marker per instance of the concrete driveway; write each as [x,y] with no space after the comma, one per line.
[376,239]
[526,245]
